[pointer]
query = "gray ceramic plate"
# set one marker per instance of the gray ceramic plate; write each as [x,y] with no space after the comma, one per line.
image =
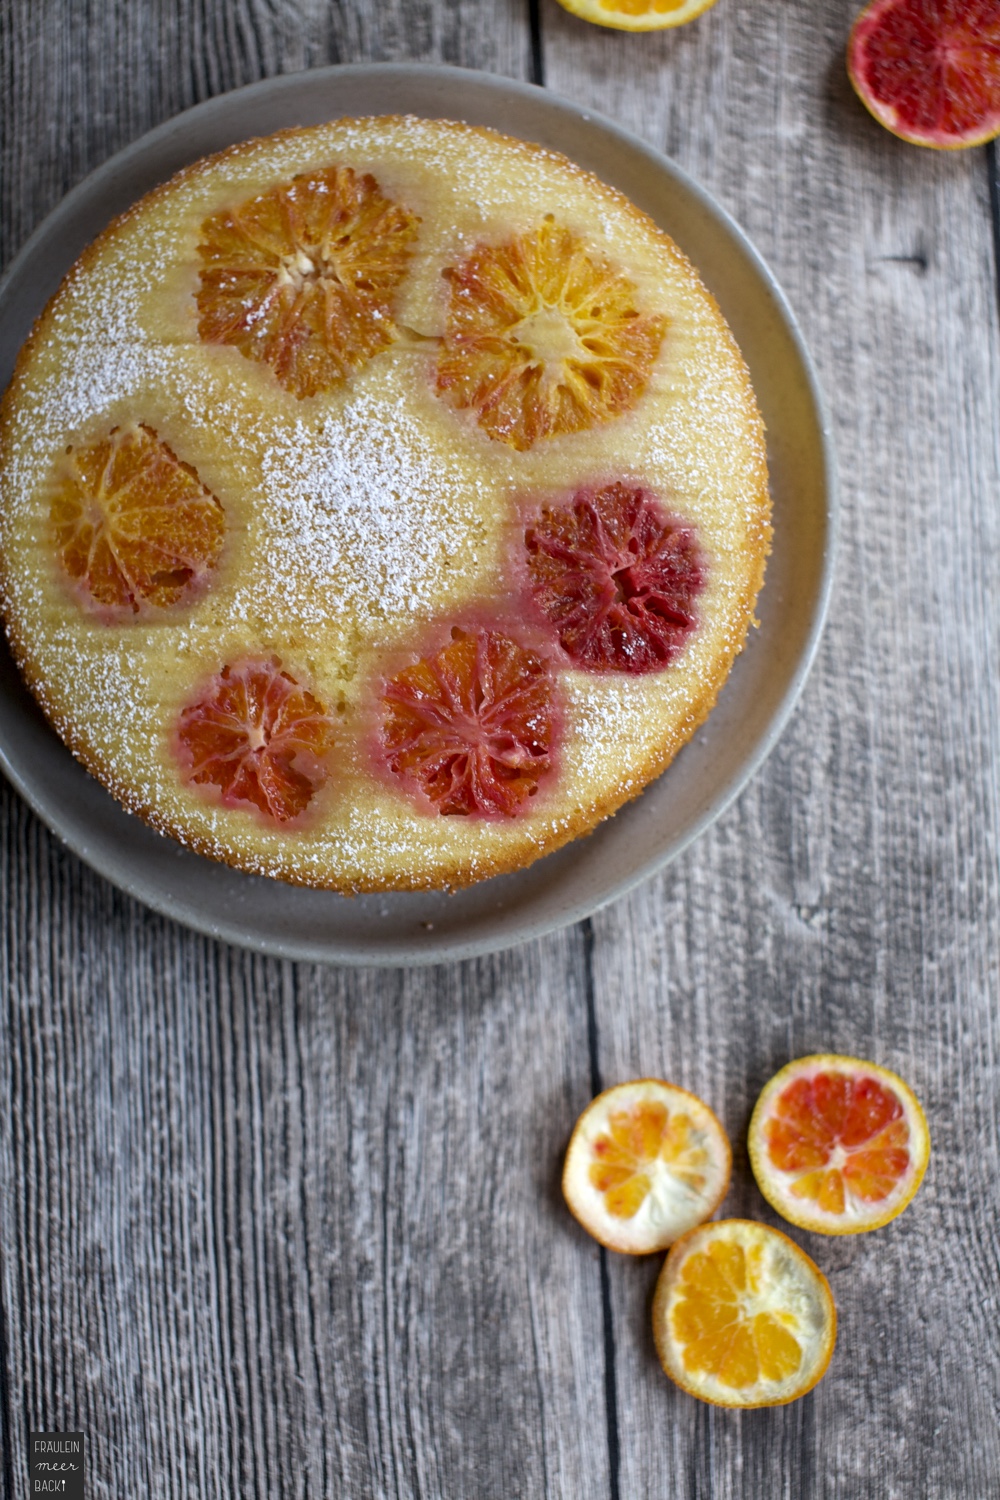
[753,707]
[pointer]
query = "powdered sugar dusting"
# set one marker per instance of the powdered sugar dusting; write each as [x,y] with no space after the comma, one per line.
[357,523]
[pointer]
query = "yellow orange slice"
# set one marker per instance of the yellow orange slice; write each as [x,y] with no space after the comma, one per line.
[838,1145]
[134,528]
[637,15]
[303,277]
[742,1316]
[543,337]
[645,1163]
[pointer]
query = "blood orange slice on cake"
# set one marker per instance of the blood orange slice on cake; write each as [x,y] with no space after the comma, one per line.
[303,277]
[929,70]
[257,738]
[838,1145]
[134,528]
[616,578]
[544,337]
[472,728]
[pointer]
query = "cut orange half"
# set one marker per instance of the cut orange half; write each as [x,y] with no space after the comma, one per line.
[637,15]
[929,70]
[838,1145]
[742,1316]
[646,1162]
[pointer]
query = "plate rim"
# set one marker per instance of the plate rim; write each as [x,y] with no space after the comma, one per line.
[454,949]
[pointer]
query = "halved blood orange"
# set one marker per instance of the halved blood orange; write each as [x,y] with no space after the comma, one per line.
[929,70]
[616,577]
[645,1163]
[256,738]
[472,728]
[544,337]
[134,528]
[303,277]
[637,15]
[742,1316]
[838,1145]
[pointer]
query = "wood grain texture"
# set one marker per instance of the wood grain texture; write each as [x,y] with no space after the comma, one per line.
[273,1229]
[266,1229]
[849,902]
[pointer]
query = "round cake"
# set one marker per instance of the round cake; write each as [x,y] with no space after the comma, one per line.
[383,504]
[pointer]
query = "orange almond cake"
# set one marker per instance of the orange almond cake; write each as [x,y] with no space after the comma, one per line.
[383,504]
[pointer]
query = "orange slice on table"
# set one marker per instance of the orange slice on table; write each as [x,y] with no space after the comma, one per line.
[134,528]
[742,1316]
[838,1145]
[646,1162]
[637,15]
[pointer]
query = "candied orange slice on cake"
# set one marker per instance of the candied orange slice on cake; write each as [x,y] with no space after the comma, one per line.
[616,577]
[303,278]
[544,337]
[742,1316]
[134,528]
[838,1145]
[256,738]
[472,728]
[645,1163]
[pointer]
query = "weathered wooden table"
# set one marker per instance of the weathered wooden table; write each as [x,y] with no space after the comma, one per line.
[272,1229]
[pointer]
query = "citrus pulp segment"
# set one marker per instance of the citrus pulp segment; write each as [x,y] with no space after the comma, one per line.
[133,527]
[837,1145]
[472,728]
[544,337]
[645,1163]
[616,577]
[637,15]
[257,738]
[303,277]
[929,70]
[742,1317]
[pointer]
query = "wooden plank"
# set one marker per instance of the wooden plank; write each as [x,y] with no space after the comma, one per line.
[268,1228]
[849,901]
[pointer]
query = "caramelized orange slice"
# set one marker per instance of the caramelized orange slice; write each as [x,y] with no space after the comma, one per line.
[303,277]
[134,528]
[256,738]
[544,337]
[472,728]
[645,1163]
[742,1316]
[838,1145]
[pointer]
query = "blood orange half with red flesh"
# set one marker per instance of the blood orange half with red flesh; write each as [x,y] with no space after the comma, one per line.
[134,528]
[838,1145]
[616,577]
[472,728]
[929,70]
[258,738]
